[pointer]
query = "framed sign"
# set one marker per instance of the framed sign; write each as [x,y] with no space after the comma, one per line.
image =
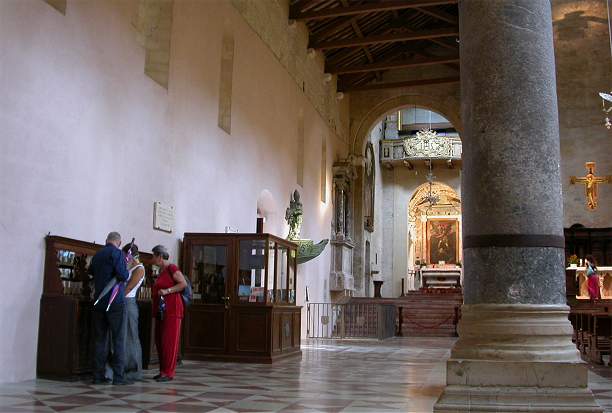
[163,217]
[443,241]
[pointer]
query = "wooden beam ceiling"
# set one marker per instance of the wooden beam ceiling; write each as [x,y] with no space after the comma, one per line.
[423,61]
[386,38]
[440,15]
[395,85]
[377,6]
[362,40]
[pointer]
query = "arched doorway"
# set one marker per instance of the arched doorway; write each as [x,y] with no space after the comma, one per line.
[409,144]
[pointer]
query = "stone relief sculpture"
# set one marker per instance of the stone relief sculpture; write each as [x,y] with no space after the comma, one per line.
[294,215]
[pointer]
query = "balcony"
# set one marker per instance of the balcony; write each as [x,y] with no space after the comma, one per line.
[424,146]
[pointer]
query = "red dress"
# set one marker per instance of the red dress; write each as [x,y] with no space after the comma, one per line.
[168,330]
[593,287]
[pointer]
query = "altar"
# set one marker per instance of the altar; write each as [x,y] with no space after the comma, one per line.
[605,282]
[441,277]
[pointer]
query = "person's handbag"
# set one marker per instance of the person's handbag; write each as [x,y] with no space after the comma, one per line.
[187,293]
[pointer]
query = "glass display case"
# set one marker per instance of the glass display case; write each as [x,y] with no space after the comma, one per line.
[244,297]
[65,338]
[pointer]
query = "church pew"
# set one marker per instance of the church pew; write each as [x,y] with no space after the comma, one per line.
[592,322]
[599,337]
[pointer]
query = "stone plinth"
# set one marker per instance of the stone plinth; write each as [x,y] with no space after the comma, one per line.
[515,358]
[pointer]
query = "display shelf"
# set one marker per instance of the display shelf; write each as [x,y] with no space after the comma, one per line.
[244,305]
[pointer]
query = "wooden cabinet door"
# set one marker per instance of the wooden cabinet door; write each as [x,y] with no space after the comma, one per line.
[209,265]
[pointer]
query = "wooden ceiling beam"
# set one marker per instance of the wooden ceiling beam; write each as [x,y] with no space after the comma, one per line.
[387,38]
[301,5]
[396,85]
[440,15]
[377,6]
[373,67]
[446,45]
[333,29]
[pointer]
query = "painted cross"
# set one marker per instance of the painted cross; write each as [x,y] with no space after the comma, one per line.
[590,182]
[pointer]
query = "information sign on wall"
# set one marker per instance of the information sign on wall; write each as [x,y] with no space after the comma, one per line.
[163,217]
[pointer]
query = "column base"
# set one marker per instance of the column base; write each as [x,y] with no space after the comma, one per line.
[515,358]
[516,399]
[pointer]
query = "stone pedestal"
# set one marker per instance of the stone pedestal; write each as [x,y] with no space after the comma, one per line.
[515,358]
[514,352]
[341,276]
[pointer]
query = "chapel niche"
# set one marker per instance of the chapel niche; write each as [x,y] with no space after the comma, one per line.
[434,229]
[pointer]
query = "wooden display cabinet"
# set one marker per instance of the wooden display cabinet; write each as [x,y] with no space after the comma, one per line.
[65,333]
[244,290]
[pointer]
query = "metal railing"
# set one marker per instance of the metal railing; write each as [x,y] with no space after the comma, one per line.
[367,320]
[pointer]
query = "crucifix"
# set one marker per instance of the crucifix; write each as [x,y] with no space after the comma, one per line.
[590,182]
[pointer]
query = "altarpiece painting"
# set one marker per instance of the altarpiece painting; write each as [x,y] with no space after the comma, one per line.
[442,240]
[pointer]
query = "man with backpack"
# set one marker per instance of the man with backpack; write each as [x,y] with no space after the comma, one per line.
[109,271]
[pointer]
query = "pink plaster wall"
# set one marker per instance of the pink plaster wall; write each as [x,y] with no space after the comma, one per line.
[89,143]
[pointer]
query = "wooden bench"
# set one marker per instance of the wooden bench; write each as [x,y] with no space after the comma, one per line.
[592,323]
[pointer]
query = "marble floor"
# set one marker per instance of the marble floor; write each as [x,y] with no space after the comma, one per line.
[397,375]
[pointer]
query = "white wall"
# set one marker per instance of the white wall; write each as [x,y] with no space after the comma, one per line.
[89,143]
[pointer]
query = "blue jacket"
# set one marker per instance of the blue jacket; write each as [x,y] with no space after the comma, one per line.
[109,263]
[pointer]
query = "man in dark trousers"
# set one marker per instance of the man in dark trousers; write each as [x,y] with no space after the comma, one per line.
[107,265]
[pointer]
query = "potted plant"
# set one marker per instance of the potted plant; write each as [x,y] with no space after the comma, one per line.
[573,261]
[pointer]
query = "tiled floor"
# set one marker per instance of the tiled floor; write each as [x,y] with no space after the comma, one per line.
[398,375]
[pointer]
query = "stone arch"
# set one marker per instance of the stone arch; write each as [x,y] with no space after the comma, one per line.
[447,196]
[447,107]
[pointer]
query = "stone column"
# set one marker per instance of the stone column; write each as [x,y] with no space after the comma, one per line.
[514,351]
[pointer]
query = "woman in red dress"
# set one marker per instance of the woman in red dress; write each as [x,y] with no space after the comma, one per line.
[167,292]
[592,277]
